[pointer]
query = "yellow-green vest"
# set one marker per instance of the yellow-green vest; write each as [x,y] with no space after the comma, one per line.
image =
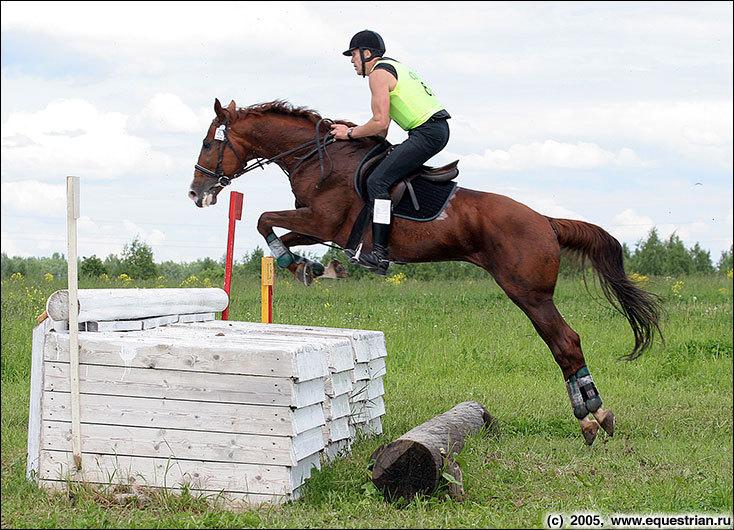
[411,102]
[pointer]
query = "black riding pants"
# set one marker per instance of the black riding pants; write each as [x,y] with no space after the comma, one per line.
[423,142]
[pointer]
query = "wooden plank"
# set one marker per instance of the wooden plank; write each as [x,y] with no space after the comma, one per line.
[34,414]
[337,407]
[196,317]
[364,411]
[187,415]
[338,429]
[307,443]
[371,427]
[227,500]
[338,449]
[370,370]
[368,389]
[114,325]
[206,354]
[192,386]
[339,352]
[126,304]
[338,384]
[197,474]
[367,344]
[164,443]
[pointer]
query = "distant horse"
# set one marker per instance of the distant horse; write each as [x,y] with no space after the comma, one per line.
[519,247]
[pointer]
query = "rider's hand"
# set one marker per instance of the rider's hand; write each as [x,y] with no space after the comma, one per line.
[340,131]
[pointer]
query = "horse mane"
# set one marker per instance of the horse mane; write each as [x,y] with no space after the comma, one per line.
[283,107]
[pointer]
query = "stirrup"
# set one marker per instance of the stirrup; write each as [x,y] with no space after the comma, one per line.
[353,255]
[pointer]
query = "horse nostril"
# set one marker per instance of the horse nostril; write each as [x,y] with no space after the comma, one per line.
[192,195]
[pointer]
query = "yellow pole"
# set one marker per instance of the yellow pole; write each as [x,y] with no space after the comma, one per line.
[267,275]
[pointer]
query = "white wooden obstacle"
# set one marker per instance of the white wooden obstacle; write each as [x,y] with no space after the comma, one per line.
[238,410]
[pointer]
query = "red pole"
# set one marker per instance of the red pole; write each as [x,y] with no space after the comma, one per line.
[235,214]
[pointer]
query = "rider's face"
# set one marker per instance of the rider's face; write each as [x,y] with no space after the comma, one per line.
[357,62]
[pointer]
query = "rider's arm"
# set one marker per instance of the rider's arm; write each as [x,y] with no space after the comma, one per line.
[380,121]
[380,84]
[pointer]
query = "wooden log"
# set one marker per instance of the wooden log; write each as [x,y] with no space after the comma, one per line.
[414,463]
[123,304]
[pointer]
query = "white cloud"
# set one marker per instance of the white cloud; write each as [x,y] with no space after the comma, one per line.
[33,197]
[581,155]
[168,113]
[632,227]
[605,88]
[146,33]
[152,237]
[70,136]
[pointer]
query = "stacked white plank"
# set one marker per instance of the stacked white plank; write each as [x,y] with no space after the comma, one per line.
[366,402]
[338,385]
[179,405]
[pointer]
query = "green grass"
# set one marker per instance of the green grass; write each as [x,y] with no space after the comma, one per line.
[452,341]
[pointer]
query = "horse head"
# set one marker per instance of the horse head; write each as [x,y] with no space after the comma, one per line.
[219,159]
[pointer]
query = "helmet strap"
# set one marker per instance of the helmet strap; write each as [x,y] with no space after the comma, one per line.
[361,56]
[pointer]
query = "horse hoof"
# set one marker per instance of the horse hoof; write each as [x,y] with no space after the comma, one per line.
[335,270]
[304,273]
[607,422]
[590,430]
[339,269]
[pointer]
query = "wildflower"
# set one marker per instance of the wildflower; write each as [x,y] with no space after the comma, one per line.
[678,287]
[16,276]
[638,278]
[730,274]
[188,282]
[48,277]
[397,279]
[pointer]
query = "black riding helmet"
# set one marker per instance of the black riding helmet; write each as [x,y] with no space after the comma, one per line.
[366,40]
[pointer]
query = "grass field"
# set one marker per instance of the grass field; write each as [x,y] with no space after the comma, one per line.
[447,342]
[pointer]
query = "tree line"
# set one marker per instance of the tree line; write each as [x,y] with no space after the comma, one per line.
[651,257]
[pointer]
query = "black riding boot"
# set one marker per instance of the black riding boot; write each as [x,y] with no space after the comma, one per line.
[376,260]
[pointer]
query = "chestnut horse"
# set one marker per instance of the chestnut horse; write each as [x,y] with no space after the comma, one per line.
[519,247]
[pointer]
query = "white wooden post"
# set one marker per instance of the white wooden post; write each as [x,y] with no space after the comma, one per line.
[72,210]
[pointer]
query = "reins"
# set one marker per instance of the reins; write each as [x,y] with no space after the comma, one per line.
[260,162]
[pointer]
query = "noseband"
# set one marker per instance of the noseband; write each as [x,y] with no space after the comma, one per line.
[259,162]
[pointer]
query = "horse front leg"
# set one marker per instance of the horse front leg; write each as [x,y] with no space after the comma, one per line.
[306,268]
[310,231]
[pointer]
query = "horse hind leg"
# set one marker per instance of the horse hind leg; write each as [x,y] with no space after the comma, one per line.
[583,385]
[565,345]
[585,400]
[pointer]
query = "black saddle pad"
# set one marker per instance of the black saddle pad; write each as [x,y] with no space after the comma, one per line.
[432,199]
[432,196]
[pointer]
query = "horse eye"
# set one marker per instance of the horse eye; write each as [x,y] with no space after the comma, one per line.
[207,145]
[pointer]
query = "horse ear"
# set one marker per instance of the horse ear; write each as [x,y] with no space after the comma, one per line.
[232,105]
[218,109]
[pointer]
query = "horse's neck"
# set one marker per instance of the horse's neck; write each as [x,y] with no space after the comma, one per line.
[275,136]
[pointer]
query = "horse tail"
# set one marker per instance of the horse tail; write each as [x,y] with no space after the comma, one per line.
[642,309]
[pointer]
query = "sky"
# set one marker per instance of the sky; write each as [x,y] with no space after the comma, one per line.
[619,113]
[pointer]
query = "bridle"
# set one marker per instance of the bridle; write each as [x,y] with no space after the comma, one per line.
[260,162]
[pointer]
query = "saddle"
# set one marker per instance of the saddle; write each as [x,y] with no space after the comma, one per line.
[432,174]
[429,190]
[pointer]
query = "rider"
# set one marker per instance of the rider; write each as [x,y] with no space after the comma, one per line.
[397,94]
